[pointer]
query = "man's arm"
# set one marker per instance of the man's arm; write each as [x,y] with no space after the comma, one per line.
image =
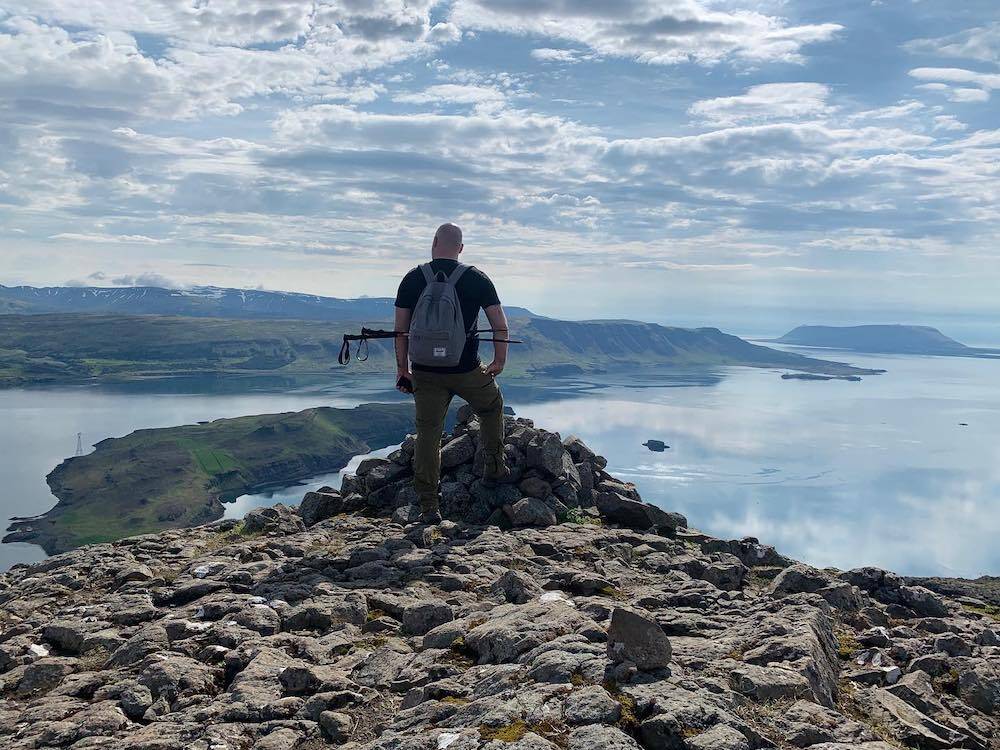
[403,315]
[498,322]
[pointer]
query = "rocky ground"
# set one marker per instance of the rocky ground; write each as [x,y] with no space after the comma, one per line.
[561,612]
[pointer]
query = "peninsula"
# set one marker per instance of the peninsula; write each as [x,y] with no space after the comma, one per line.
[165,478]
[67,348]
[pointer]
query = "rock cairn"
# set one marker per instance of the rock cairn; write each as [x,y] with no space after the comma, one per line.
[557,611]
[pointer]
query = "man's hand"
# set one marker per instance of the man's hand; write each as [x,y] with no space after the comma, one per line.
[494,368]
[403,372]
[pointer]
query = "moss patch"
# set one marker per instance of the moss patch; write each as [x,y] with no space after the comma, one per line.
[847,643]
[507,733]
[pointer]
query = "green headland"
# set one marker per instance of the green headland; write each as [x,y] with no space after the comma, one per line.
[151,480]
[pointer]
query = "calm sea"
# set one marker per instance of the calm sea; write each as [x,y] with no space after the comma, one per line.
[901,470]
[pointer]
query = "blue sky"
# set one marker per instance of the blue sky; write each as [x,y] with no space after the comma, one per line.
[685,161]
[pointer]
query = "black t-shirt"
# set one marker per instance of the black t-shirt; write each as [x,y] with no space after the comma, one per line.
[475,292]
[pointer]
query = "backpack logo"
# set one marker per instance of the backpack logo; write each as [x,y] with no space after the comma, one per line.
[440,351]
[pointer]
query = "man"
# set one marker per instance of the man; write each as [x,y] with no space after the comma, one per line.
[434,387]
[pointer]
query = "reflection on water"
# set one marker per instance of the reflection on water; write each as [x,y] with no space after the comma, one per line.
[293,495]
[836,473]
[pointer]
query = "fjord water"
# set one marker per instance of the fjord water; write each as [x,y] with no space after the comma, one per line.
[880,472]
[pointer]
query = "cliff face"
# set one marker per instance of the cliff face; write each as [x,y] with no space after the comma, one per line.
[562,612]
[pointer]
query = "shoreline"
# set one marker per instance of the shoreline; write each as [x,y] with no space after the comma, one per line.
[179,477]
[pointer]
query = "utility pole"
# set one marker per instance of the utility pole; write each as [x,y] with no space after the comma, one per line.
[79,443]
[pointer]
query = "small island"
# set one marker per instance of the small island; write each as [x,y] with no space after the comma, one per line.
[814,376]
[883,339]
[153,480]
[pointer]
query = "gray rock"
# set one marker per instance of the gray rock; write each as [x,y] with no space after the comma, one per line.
[953,645]
[801,578]
[530,511]
[511,630]
[988,637]
[276,519]
[591,705]
[66,635]
[43,675]
[422,617]
[769,683]
[370,464]
[545,452]
[318,506]
[636,638]
[578,450]
[406,514]
[148,640]
[916,689]
[336,725]
[597,737]
[719,737]
[909,725]
[533,486]
[979,685]
[516,587]
[922,601]
[457,451]
[132,573]
[621,510]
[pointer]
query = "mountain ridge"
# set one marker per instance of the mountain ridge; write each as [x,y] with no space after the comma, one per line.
[204,301]
[83,347]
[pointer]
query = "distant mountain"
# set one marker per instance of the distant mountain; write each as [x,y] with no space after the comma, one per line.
[77,347]
[199,302]
[882,339]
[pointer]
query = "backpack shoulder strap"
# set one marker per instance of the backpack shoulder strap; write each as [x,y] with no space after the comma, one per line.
[428,273]
[457,273]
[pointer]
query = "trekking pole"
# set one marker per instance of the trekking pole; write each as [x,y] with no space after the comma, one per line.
[377,333]
[474,333]
[366,333]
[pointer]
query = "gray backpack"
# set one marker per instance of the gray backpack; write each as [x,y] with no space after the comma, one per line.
[437,328]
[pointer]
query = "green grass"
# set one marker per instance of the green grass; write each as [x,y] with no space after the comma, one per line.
[987,610]
[166,478]
[211,460]
[75,347]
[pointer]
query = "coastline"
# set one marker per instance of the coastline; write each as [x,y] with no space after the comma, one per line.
[177,477]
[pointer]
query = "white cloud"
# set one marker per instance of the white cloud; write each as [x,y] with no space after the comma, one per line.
[548,54]
[948,122]
[766,101]
[647,30]
[145,278]
[296,133]
[210,58]
[944,80]
[978,43]
[124,239]
[453,93]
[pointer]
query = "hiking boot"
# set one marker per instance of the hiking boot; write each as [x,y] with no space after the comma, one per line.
[430,517]
[430,510]
[495,470]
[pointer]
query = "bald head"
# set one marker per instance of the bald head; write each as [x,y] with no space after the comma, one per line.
[447,241]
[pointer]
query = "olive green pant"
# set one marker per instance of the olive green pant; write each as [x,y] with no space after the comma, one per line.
[432,393]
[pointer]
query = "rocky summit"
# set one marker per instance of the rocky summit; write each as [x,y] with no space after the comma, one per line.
[553,611]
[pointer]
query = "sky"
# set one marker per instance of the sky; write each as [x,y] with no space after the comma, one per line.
[684,161]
